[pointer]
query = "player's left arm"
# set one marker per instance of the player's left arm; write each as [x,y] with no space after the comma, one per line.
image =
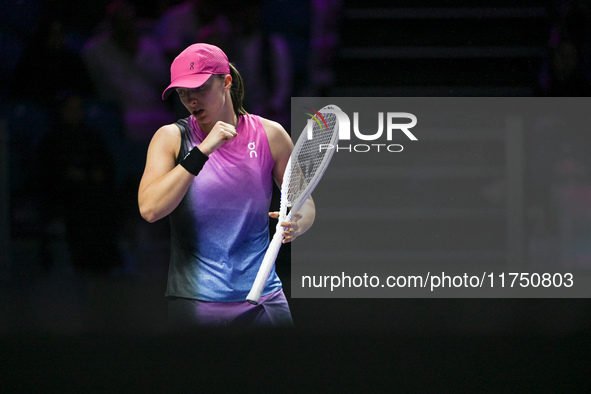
[281,147]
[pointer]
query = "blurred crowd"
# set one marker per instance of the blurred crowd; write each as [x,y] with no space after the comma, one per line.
[557,157]
[82,100]
[567,70]
[81,97]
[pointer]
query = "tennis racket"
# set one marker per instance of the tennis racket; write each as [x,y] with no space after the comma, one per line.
[307,163]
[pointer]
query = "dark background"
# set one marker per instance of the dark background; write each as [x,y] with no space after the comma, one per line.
[82,277]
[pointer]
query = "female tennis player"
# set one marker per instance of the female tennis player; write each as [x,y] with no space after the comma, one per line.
[212,174]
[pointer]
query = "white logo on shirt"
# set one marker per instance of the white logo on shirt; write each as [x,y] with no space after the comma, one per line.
[252,148]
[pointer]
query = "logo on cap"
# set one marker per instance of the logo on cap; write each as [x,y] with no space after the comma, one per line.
[192,66]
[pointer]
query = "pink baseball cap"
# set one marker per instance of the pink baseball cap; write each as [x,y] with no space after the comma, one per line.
[193,66]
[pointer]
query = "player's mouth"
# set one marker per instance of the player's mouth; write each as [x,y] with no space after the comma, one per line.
[198,113]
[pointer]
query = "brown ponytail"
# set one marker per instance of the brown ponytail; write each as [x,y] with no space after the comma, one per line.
[237,91]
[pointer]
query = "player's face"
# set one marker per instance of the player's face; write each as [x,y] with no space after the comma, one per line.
[206,102]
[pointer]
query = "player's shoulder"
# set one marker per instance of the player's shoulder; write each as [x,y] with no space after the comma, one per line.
[171,130]
[268,123]
[279,141]
[167,137]
[275,131]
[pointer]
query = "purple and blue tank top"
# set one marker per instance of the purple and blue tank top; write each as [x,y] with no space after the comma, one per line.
[220,230]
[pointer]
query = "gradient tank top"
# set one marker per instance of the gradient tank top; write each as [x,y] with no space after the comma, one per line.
[220,230]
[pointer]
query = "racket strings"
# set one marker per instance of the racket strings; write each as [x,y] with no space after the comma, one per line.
[309,158]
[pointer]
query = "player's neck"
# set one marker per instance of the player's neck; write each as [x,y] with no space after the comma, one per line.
[226,116]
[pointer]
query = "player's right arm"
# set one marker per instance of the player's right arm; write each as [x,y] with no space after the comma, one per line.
[163,183]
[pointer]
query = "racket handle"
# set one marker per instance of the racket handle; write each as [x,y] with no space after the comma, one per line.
[265,269]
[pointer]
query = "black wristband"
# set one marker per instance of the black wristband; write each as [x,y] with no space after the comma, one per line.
[194,161]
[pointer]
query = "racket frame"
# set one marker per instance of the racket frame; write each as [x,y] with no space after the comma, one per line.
[254,295]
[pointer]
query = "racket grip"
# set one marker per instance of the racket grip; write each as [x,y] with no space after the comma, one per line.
[265,269]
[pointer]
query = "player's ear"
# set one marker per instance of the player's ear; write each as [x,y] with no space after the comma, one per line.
[227,82]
